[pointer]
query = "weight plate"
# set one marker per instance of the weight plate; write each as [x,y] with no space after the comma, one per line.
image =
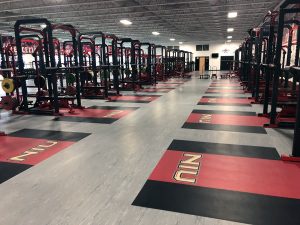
[9,103]
[8,85]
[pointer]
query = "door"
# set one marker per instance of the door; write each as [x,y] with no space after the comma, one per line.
[226,62]
[196,63]
[207,63]
[202,65]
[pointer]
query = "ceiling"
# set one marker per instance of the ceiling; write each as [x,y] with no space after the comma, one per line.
[185,20]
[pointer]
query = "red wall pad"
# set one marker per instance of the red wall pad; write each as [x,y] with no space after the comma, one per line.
[208,100]
[226,121]
[22,149]
[243,189]
[96,114]
[230,91]
[134,98]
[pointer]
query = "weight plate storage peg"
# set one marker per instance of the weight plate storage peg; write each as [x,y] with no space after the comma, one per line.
[9,103]
[8,85]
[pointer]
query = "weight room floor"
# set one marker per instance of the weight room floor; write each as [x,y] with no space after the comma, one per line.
[95,180]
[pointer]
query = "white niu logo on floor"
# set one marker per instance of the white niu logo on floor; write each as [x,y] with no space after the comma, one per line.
[205,118]
[34,151]
[111,114]
[212,100]
[188,169]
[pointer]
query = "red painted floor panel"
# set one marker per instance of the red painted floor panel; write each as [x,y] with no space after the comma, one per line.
[226,85]
[97,113]
[252,175]
[226,100]
[225,91]
[29,150]
[227,81]
[153,90]
[166,85]
[171,82]
[223,119]
[134,98]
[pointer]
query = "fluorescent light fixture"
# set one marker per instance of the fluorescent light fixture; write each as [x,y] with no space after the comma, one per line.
[180,42]
[229,37]
[43,26]
[230,29]
[172,39]
[126,22]
[155,33]
[232,14]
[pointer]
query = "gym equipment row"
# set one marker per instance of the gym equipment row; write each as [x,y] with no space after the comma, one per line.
[42,74]
[268,65]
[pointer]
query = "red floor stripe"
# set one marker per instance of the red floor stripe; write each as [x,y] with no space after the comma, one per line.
[134,98]
[155,90]
[97,113]
[225,100]
[225,91]
[225,85]
[227,119]
[167,85]
[252,175]
[28,150]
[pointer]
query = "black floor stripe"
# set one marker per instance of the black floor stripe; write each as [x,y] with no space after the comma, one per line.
[9,170]
[240,113]
[220,204]
[224,104]
[219,127]
[113,107]
[225,149]
[50,135]
[86,119]
[223,97]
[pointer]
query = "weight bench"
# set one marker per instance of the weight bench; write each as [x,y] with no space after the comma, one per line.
[225,76]
[204,76]
[214,76]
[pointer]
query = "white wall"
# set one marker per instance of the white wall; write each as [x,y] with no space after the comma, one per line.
[224,49]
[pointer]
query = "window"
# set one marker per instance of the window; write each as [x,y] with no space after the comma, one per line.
[202,47]
[172,47]
[205,47]
[199,47]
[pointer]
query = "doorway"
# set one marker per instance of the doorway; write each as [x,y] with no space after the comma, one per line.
[226,62]
[196,63]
